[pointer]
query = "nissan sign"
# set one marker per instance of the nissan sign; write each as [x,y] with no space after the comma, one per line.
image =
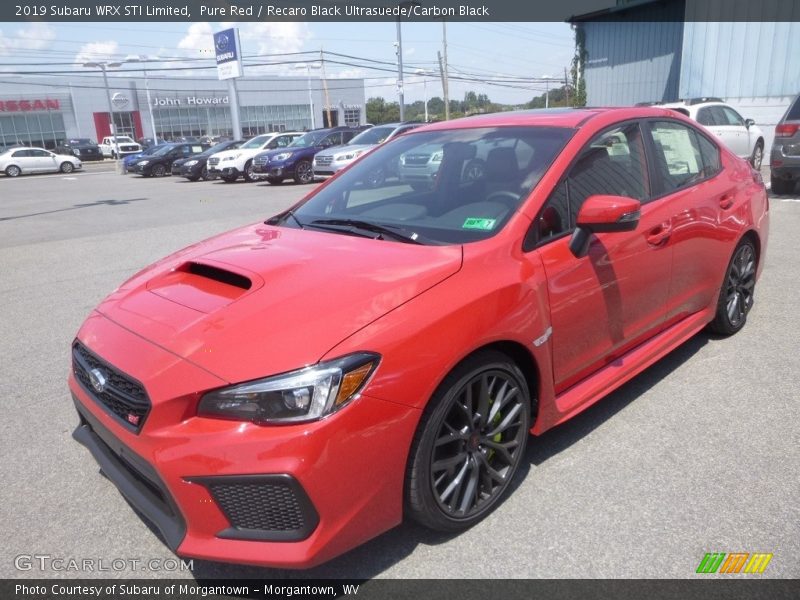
[228,53]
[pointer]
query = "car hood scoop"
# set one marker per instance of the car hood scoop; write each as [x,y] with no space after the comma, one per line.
[262,300]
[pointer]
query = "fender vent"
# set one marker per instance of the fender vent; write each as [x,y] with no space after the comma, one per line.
[217,274]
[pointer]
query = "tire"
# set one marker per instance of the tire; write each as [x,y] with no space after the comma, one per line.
[248,172]
[303,172]
[66,167]
[113,156]
[275,180]
[458,473]
[781,186]
[13,171]
[737,292]
[228,178]
[758,155]
[193,178]
[204,175]
[158,171]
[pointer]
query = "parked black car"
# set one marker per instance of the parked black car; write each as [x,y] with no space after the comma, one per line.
[83,148]
[160,162]
[195,167]
[146,143]
[785,158]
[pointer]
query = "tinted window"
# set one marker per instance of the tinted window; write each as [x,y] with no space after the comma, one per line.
[613,163]
[731,116]
[794,110]
[21,153]
[677,159]
[710,154]
[40,153]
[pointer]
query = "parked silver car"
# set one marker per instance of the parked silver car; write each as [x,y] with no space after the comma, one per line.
[785,156]
[18,161]
[328,162]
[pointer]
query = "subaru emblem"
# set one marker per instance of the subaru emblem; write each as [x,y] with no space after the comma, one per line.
[98,380]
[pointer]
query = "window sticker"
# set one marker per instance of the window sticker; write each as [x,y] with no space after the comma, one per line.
[479,223]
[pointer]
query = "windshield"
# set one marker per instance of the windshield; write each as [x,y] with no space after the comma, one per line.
[441,187]
[374,135]
[219,148]
[162,150]
[257,142]
[311,138]
[124,139]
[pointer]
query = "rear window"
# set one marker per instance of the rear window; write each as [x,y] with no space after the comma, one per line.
[794,111]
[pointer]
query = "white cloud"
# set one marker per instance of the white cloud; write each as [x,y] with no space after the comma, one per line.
[95,51]
[198,41]
[36,36]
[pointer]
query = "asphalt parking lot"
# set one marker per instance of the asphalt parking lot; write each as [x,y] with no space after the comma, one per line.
[701,453]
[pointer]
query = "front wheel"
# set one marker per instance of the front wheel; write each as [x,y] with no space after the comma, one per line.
[159,171]
[204,175]
[67,167]
[469,443]
[737,293]
[303,173]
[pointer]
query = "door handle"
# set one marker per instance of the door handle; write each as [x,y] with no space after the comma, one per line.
[726,201]
[659,235]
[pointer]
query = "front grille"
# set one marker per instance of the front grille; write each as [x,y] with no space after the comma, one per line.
[262,507]
[415,160]
[213,162]
[324,161]
[260,160]
[122,396]
[129,148]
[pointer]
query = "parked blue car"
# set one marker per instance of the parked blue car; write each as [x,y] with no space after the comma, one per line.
[129,161]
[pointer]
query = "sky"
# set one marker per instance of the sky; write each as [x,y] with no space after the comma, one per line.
[484,51]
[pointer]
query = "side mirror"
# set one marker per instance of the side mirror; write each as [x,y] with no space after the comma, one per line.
[749,122]
[603,214]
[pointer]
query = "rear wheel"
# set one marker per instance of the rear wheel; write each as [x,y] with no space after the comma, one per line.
[758,155]
[13,170]
[303,173]
[781,186]
[67,167]
[248,172]
[469,443]
[737,293]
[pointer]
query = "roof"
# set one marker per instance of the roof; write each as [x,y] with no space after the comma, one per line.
[548,117]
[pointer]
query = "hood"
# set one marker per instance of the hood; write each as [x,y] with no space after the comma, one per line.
[346,149]
[270,154]
[263,300]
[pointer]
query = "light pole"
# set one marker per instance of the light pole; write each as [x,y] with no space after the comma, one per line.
[399,47]
[308,67]
[423,72]
[140,58]
[547,90]
[103,66]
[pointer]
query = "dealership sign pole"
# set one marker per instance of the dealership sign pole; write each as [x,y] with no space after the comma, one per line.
[229,66]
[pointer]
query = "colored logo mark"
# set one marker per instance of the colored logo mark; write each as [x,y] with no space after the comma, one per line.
[734,562]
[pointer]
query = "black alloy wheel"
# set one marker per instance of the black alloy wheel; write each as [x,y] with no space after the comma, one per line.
[158,171]
[737,294]
[469,444]
[303,172]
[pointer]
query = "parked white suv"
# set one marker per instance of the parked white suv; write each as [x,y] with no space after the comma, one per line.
[232,164]
[122,147]
[740,135]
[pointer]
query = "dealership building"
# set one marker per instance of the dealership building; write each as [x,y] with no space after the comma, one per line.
[41,111]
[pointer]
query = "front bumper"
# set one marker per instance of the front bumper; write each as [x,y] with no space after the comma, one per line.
[349,467]
[224,171]
[191,171]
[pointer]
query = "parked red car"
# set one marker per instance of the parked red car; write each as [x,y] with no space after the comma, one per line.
[281,393]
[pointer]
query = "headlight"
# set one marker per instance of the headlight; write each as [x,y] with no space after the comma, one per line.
[437,156]
[144,162]
[190,163]
[304,395]
[282,156]
[77,151]
[348,156]
[224,158]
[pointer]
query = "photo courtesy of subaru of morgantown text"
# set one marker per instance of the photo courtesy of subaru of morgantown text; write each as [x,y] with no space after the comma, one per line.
[385,348]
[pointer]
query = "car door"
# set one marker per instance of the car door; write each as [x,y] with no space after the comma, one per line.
[24,160]
[608,301]
[689,178]
[716,121]
[43,161]
[735,121]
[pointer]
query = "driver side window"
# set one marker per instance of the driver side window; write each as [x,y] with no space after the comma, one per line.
[612,163]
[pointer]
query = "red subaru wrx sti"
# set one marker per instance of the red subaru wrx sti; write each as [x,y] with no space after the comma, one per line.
[281,393]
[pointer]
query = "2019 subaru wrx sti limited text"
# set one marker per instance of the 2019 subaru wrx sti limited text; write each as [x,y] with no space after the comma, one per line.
[281,393]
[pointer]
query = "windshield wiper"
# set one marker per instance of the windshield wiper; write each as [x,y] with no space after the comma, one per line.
[283,217]
[353,225]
